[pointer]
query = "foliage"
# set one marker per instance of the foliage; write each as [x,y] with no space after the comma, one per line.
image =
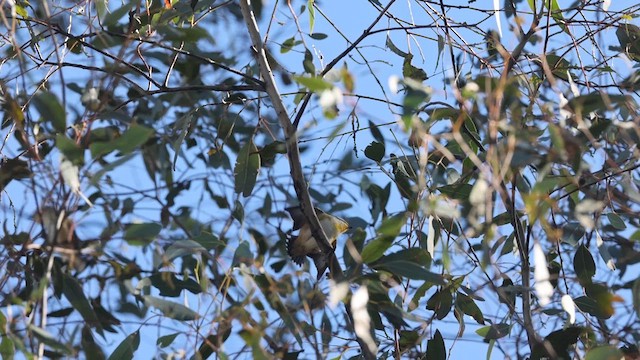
[486,160]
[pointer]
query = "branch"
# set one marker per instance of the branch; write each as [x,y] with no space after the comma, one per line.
[293,152]
[291,136]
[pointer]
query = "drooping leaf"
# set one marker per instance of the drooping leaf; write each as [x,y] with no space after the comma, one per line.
[127,347]
[436,349]
[395,49]
[410,270]
[412,72]
[494,331]
[629,38]
[469,307]
[387,231]
[583,264]
[166,340]
[171,309]
[142,233]
[169,284]
[616,221]
[49,339]
[560,341]
[75,295]
[441,302]
[246,169]
[606,352]
[51,110]
[134,137]
[313,83]
[375,151]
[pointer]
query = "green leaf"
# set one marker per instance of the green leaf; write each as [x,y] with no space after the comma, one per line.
[312,15]
[113,17]
[48,339]
[246,169]
[318,36]
[288,44]
[51,110]
[73,291]
[556,14]
[141,234]
[441,302]
[588,305]
[410,270]
[171,309]
[375,151]
[178,34]
[635,294]
[182,248]
[313,83]
[606,352]
[127,347]
[134,137]
[597,102]
[415,255]
[181,126]
[375,132]
[629,38]
[560,341]
[459,192]
[208,240]
[395,49]
[435,347]
[307,63]
[166,340]
[412,72]
[583,264]
[243,254]
[207,347]
[387,231]
[469,307]
[70,149]
[494,331]
[616,221]
[108,166]
[440,48]
[169,284]
[7,348]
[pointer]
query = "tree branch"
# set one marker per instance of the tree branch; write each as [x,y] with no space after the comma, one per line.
[293,152]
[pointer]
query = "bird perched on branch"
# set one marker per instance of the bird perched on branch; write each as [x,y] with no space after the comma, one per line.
[304,244]
[60,235]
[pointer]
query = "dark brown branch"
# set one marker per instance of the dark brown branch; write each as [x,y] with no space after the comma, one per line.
[293,152]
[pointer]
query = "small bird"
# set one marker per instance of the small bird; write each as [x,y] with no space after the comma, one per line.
[305,244]
[60,236]
[58,228]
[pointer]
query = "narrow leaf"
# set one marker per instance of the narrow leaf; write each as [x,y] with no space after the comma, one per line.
[127,347]
[171,309]
[74,293]
[246,169]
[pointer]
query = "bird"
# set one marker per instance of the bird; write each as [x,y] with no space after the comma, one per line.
[60,236]
[59,229]
[304,244]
